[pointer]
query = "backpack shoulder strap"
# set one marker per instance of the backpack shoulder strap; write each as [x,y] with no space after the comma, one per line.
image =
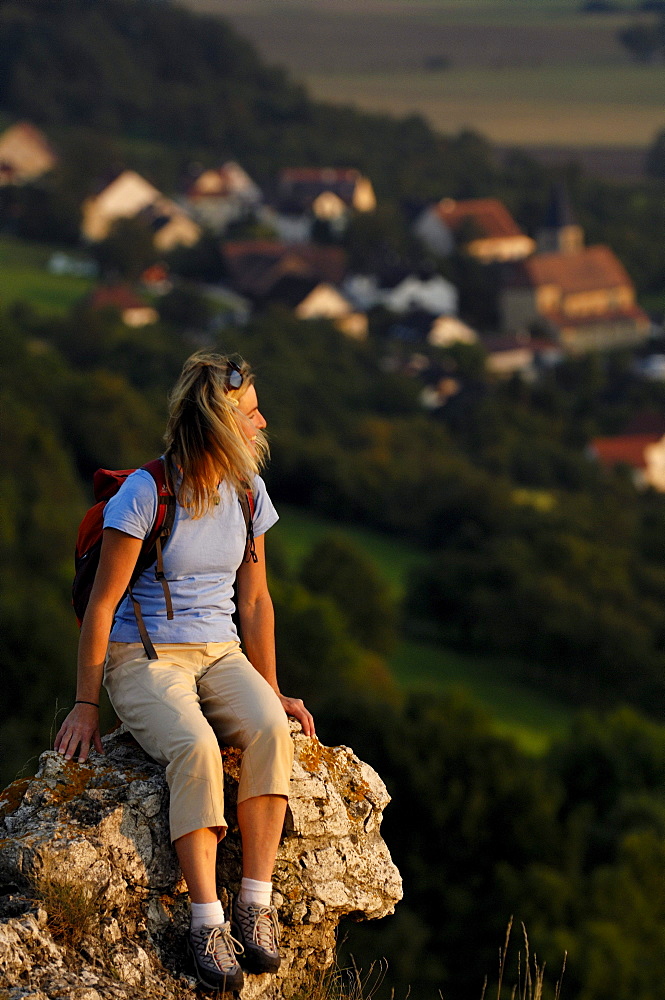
[165,501]
[154,542]
[248,506]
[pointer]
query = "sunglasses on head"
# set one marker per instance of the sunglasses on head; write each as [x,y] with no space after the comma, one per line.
[234,376]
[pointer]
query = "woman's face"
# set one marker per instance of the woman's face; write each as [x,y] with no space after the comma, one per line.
[253,420]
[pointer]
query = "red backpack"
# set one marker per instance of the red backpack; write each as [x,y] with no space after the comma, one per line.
[106,483]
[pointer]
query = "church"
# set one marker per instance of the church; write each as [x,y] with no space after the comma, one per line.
[580,296]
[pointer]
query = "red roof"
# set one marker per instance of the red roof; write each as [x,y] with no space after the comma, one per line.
[319,175]
[256,265]
[627,449]
[115,297]
[267,248]
[488,216]
[585,270]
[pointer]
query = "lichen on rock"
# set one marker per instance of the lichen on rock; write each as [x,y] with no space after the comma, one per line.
[92,901]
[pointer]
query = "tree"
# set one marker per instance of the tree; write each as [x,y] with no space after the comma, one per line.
[337,569]
[655,159]
[643,41]
[127,250]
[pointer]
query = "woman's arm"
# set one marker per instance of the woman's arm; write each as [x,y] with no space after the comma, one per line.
[117,560]
[257,623]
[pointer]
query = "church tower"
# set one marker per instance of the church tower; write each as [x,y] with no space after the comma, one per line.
[560,232]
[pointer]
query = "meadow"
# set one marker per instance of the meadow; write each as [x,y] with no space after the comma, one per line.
[24,278]
[519,71]
[531,719]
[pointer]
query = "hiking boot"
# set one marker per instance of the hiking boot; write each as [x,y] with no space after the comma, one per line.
[257,929]
[214,950]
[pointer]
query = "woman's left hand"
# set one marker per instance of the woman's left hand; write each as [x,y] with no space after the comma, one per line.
[296,708]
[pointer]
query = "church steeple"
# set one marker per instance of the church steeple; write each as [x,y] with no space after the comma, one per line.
[560,232]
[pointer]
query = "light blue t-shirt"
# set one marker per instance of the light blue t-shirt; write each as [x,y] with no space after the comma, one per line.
[200,562]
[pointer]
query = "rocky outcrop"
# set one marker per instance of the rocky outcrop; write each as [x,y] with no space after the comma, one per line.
[93,904]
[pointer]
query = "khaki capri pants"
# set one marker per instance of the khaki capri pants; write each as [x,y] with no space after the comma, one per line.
[183,705]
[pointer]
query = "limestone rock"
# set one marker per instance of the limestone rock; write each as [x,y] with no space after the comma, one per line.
[92,902]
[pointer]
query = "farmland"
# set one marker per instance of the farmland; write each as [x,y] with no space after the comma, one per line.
[536,74]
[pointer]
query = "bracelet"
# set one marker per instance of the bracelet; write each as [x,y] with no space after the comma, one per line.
[80,701]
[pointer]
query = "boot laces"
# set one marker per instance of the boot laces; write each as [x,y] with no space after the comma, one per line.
[223,948]
[263,926]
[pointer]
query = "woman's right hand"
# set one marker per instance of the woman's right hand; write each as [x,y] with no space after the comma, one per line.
[79,731]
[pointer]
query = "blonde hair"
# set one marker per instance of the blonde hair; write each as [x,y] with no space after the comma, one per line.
[204,438]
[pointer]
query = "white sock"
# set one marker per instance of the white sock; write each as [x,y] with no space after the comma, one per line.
[258,893]
[208,914]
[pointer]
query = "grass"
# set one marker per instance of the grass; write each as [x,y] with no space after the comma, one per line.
[298,530]
[352,983]
[531,975]
[531,719]
[24,278]
[349,983]
[72,905]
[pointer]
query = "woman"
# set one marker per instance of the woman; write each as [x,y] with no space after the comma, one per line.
[202,689]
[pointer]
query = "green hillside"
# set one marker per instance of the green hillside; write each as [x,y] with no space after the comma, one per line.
[528,717]
[298,530]
[24,278]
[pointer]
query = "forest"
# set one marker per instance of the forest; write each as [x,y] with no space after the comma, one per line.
[533,551]
[571,843]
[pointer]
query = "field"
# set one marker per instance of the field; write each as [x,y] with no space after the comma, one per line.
[299,530]
[24,278]
[522,72]
[529,718]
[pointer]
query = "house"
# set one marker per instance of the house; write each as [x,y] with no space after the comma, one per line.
[133,310]
[255,267]
[326,192]
[522,355]
[433,397]
[312,299]
[448,330]
[402,291]
[156,279]
[71,265]
[438,331]
[582,296]
[306,195]
[25,154]
[222,195]
[130,196]
[652,367]
[482,227]
[644,454]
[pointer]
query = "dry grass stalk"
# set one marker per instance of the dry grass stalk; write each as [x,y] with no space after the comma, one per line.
[72,906]
[349,983]
[530,982]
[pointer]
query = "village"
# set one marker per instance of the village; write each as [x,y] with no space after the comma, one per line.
[284,246]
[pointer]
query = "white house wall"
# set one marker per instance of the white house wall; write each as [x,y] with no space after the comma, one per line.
[435,296]
[433,233]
